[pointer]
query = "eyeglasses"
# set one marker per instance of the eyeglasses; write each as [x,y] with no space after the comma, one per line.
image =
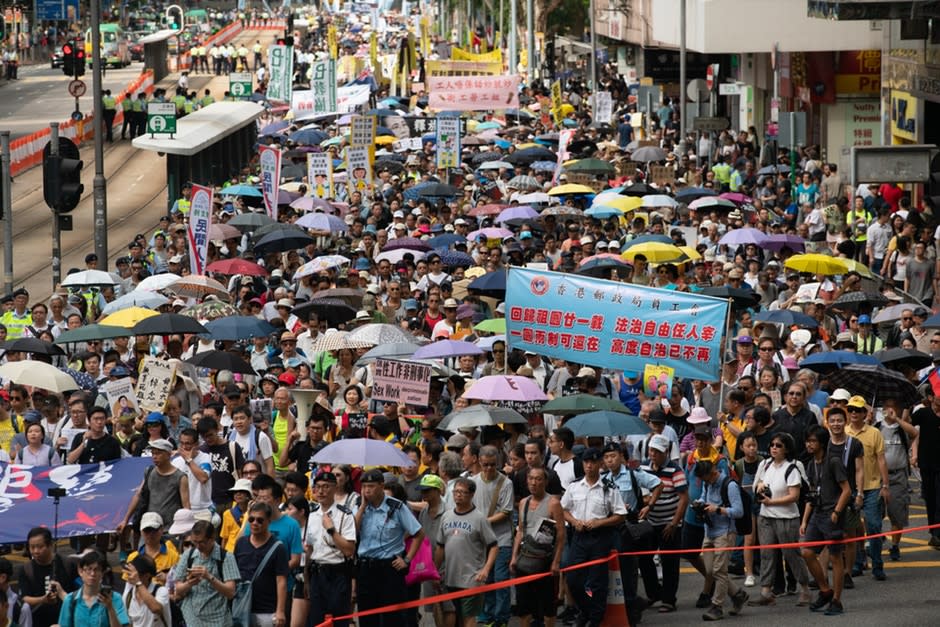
[853,321]
[288,341]
[246,473]
[257,519]
[794,394]
[19,398]
[766,349]
[907,318]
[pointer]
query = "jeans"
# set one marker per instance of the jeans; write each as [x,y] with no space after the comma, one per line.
[496,604]
[873,509]
[716,565]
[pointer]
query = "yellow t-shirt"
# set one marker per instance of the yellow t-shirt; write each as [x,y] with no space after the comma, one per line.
[6,434]
[874,444]
[165,560]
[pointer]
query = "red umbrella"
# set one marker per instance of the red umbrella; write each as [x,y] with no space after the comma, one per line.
[487,210]
[236,266]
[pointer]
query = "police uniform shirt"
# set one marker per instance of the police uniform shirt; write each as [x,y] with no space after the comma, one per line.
[624,483]
[384,528]
[324,549]
[592,502]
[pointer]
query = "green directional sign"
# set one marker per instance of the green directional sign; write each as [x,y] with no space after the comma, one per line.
[239,84]
[161,118]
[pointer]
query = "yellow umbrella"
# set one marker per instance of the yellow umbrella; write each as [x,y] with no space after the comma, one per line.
[857,266]
[655,252]
[474,272]
[690,252]
[623,203]
[527,145]
[566,109]
[127,318]
[571,188]
[385,140]
[471,125]
[814,263]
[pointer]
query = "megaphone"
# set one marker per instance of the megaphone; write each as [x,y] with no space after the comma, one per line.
[306,403]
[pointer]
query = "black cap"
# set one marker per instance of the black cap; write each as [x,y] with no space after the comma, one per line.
[20,292]
[231,390]
[591,455]
[657,416]
[326,475]
[373,476]
[703,429]
[612,447]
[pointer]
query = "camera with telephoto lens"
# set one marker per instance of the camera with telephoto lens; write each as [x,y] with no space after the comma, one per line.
[698,507]
[814,497]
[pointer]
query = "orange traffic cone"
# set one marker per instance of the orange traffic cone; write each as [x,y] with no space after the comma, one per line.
[616,615]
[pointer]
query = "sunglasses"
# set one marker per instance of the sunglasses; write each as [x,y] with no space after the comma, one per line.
[257,519]
[776,445]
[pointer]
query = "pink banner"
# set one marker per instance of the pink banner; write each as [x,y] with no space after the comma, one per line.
[270,158]
[473,93]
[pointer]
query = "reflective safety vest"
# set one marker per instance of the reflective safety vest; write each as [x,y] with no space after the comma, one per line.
[126,104]
[137,105]
[179,101]
[16,324]
[109,102]
[189,106]
[183,205]
[207,100]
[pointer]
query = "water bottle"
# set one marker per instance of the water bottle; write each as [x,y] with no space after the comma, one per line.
[171,582]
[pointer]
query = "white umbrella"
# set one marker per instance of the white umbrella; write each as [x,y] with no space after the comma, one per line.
[335,341]
[396,255]
[320,264]
[38,374]
[377,333]
[158,282]
[88,277]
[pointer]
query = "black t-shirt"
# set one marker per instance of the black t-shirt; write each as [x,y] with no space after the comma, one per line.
[102,449]
[264,588]
[222,467]
[928,448]
[32,583]
[520,484]
[302,453]
[848,462]
[827,476]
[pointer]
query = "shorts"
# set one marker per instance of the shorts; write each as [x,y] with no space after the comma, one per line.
[692,538]
[430,589]
[852,523]
[820,529]
[537,598]
[900,503]
[468,606]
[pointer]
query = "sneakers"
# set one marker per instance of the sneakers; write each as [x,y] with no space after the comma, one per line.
[568,615]
[804,599]
[835,608]
[878,574]
[763,601]
[847,582]
[738,601]
[934,542]
[824,599]
[894,551]
[713,613]
[704,600]
[750,581]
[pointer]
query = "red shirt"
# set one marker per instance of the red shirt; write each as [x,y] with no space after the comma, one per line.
[892,195]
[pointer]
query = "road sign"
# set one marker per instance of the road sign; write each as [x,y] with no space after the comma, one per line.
[711,124]
[795,120]
[77,88]
[697,90]
[240,84]
[161,118]
[710,77]
[892,164]
[729,89]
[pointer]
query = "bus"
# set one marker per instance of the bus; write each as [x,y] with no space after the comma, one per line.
[114,46]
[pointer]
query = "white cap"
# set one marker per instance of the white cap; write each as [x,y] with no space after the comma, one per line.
[398,214]
[151,520]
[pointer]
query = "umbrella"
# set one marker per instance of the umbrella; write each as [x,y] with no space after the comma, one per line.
[486,343]
[607,423]
[876,383]
[494,325]
[773,169]
[38,374]
[350,296]
[825,362]
[36,346]
[236,266]
[91,332]
[603,212]
[223,232]
[411,243]
[129,317]
[624,203]
[903,357]
[455,258]
[523,182]
[741,237]
[446,240]
[273,128]
[250,221]
[308,137]
[333,310]
[894,312]
[88,278]
[652,237]
[490,284]
[490,233]
[293,172]
[199,286]
[336,340]
[740,297]
[779,241]
[311,203]
[857,266]
[275,227]
[711,202]
[239,328]
[601,265]
[221,360]
[857,301]
[376,333]
[395,256]
[519,212]
[447,348]
[582,403]
[571,188]
[688,194]
[647,154]
[282,241]
[787,317]
[815,263]
[157,282]
[241,190]
[530,155]
[389,165]
[165,324]
[388,351]
[480,416]
[639,190]
[659,200]
[437,190]
[490,209]
[495,165]
[137,298]
[505,388]
[737,198]
[655,252]
[210,309]
[320,264]
[591,166]
[560,210]
[363,452]
[322,222]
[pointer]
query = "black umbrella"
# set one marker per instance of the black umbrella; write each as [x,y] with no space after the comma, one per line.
[167,323]
[389,165]
[639,190]
[32,345]
[859,301]
[530,155]
[740,297]
[582,146]
[293,172]
[221,360]
[893,357]
[876,384]
[480,157]
[350,296]
[271,227]
[250,221]
[333,310]
[281,241]
[438,190]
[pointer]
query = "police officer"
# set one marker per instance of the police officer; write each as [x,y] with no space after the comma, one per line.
[19,316]
[207,99]
[128,122]
[330,543]
[109,107]
[383,523]
[257,50]
[593,511]
[139,109]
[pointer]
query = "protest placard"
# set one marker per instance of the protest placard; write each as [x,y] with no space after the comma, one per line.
[401,382]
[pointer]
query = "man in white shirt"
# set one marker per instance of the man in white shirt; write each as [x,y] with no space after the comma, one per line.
[198,468]
[256,444]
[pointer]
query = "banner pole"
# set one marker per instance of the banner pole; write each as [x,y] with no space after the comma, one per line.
[724,340]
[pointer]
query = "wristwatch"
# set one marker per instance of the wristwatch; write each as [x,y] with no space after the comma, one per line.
[330,531]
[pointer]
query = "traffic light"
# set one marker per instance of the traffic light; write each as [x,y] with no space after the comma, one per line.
[62,177]
[550,57]
[80,61]
[68,57]
[932,188]
[70,182]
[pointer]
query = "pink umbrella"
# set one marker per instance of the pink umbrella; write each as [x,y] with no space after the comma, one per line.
[737,197]
[490,233]
[505,388]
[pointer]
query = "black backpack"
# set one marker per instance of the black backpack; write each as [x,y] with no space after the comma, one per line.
[743,525]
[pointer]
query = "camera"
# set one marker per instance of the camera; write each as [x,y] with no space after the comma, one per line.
[698,507]
[764,493]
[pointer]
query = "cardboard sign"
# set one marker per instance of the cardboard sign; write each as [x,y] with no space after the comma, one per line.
[401,382]
[662,175]
[121,397]
[155,384]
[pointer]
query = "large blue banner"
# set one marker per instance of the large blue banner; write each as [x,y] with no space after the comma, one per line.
[614,325]
[97,497]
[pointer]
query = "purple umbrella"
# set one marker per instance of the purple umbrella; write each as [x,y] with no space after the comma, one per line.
[311,203]
[740,237]
[322,222]
[780,241]
[490,233]
[737,197]
[505,388]
[344,120]
[411,243]
[274,127]
[285,197]
[447,348]
[520,212]
[362,452]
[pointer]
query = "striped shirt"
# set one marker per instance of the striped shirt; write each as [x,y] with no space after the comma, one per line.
[673,482]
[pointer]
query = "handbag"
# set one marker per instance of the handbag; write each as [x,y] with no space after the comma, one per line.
[637,534]
[422,564]
[534,556]
[241,602]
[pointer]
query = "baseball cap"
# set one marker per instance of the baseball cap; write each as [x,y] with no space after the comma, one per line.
[151,520]
[657,416]
[161,445]
[154,416]
[431,481]
[457,441]
[586,373]
[744,339]
[659,442]
[857,401]
[841,394]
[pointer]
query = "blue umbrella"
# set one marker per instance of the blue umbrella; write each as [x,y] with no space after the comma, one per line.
[274,127]
[834,360]
[604,423]
[688,194]
[447,240]
[543,166]
[602,213]
[490,284]
[773,169]
[383,130]
[429,138]
[241,190]
[787,317]
[238,328]
[363,452]
[309,137]
[454,258]
[447,348]
[381,112]
[141,298]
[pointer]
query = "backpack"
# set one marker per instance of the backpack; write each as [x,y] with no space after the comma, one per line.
[743,525]
[805,490]
[176,614]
